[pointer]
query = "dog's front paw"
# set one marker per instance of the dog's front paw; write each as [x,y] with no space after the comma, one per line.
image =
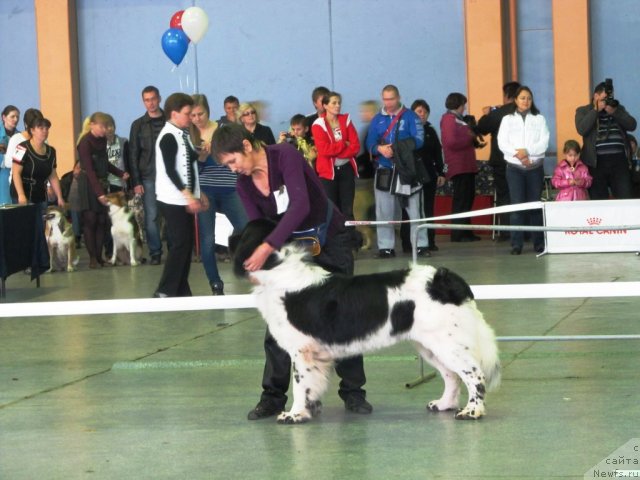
[70,268]
[289,418]
[440,406]
[134,263]
[470,413]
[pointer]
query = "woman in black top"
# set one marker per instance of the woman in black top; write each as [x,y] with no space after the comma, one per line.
[34,164]
[248,117]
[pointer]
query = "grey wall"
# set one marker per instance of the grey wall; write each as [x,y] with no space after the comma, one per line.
[276,51]
[535,58]
[615,35]
[19,65]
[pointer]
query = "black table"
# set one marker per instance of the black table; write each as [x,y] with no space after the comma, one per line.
[17,235]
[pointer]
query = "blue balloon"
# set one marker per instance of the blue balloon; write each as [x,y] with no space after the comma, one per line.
[175,44]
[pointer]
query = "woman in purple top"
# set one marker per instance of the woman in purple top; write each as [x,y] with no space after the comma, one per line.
[276,182]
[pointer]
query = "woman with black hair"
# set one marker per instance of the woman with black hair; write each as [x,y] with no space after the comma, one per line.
[276,182]
[523,139]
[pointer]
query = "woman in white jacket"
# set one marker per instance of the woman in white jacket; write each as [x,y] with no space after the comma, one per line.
[523,139]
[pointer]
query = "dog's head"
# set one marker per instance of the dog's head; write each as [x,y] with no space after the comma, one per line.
[242,245]
[54,214]
[116,201]
[54,218]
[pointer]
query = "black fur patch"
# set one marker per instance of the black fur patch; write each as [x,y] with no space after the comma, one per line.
[448,287]
[242,245]
[402,317]
[343,308]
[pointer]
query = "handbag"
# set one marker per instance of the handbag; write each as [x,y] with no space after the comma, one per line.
[383,179]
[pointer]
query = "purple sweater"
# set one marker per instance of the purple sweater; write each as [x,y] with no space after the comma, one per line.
[307,198]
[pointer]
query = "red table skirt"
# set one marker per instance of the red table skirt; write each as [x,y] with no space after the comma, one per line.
[443,207]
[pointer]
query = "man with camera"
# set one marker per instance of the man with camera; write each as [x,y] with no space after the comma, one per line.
[604,124]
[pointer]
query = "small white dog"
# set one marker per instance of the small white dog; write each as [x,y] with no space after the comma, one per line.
[318,317]
[60,241]
[127,243]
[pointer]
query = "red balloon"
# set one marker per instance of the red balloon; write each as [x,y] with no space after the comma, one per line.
[176,20]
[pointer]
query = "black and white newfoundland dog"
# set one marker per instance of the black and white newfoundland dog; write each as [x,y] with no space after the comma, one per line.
[318,317]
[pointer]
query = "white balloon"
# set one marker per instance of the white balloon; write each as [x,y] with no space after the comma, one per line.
[195,23]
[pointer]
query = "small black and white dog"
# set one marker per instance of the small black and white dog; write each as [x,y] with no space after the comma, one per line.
[318,317]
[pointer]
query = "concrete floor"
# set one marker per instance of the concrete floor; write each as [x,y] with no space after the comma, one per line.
[165,396]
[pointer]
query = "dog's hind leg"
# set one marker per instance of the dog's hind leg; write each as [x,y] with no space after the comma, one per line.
[449,398]
[458,359]
[310,380]
[72,259]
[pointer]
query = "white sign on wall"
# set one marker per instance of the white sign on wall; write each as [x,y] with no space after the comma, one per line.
[593,213]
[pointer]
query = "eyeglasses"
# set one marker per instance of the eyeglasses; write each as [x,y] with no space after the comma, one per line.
[249,112]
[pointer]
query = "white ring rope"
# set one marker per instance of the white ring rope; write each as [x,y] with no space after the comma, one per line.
[184,304]
[474,213]
[428,222]
[481,292]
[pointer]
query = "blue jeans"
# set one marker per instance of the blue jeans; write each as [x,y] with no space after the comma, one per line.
[229,204]
[526,186]
[151,217]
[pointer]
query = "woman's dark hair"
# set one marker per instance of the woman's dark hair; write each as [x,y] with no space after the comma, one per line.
[8,109]
[41,122]
[230,138]
[176,102]
[454,101]
[534,110]
[30,117]
[326,98]
[420,103]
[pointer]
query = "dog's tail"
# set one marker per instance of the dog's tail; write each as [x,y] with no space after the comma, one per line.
[487,352]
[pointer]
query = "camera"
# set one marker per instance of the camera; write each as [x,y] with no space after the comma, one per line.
[608,89]
[478,141]
[290,138]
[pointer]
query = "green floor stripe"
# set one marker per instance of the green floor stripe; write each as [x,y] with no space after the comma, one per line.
[170,364]
[174,364]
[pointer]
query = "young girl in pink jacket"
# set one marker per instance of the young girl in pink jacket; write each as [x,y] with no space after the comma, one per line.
[571,176]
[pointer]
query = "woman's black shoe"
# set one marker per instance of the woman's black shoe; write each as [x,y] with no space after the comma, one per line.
[516,250]
[264,409]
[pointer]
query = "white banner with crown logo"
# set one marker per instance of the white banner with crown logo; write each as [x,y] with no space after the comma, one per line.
[609,213]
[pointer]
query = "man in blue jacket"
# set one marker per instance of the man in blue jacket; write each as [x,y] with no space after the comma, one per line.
[394,122]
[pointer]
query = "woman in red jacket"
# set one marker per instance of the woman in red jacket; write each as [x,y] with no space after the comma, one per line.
[337,143]
[460,159]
